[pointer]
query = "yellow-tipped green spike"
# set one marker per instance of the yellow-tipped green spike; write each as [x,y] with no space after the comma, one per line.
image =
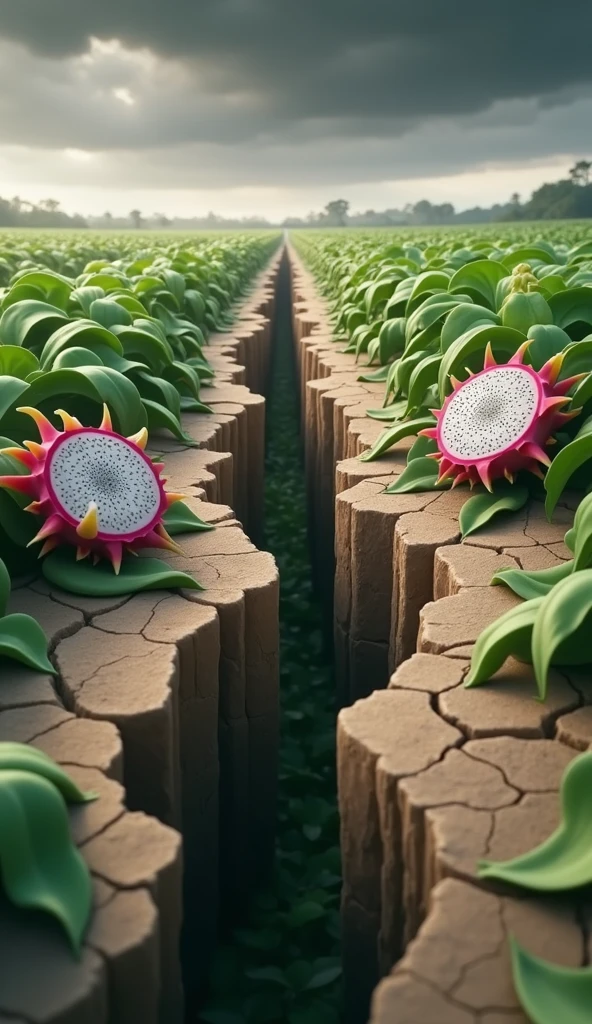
[88,527]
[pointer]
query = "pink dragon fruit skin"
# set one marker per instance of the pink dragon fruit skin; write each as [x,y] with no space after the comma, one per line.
[97,490]
[498,421]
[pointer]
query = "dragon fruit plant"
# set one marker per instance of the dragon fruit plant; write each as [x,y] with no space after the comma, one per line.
[499,421]
[94,488]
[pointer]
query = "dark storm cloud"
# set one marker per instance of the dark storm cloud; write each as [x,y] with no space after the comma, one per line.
[341,60]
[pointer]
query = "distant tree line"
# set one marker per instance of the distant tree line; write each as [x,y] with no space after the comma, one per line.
[559,200]
[20,213]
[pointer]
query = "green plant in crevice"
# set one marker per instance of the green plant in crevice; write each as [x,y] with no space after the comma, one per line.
[40,867]
[99,494]
[283,966]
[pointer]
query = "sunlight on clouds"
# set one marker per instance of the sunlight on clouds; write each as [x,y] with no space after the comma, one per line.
[79,156]
[123,94]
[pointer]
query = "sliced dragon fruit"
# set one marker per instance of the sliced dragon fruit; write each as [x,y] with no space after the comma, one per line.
[97,490]
[498,421]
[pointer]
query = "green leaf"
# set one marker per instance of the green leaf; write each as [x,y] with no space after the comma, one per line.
[533,584]
[511,634]
[17,362]
[41,867]
[421,447]
[30,323]
[377,376]
[98,383]
[558,636]
[564,860]
[465,317]
[388,413]
[469,351]
[481,508]
[571,306]
[565,463]
[304,913]
[4,587]
[179,518]
[419,475]
[423,376]
[479,279]
[82,334]
[22,639]
[137,574]
[548,341]
[25,758]
[551,994]
[396,434]
[271,974]
[11,389]
[160,418]
[108,313]
[582,534]
[323,978]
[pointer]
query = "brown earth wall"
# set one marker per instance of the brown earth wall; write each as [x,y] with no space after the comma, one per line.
[167,704]
[432,776]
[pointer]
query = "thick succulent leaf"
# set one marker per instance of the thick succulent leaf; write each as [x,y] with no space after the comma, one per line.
[30,322]
[424,375]
[548,341]
[388,413]
[533,584]
[180,519]
[11,389]
[82,334]
[377,376]
[465,318]
[421,474]
[551,994]
[41,868]
[160,418]
[22,639]
[558,636]
[511,634]
[479,280]
[564,860]
[394,434]
[17,362]
[136,574]
[565,464]
[74,357]
[469,351]
[4,587]
[422,446]
[481,508]
[25,758]
[571,306]
[582,534]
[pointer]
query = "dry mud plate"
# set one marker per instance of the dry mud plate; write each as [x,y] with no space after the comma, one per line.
[167,705]
[432,776]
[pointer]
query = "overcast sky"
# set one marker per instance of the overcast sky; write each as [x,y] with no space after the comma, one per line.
[278,106]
